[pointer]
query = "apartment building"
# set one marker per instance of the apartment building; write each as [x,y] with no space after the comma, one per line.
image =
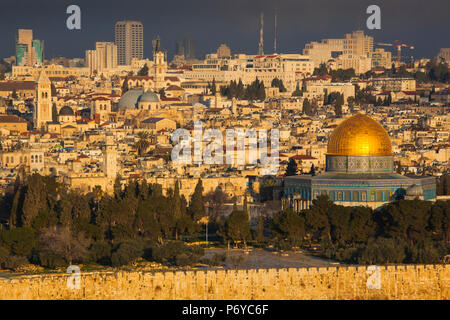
[129,39]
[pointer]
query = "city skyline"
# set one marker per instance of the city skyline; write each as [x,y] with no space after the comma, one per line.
[238,27]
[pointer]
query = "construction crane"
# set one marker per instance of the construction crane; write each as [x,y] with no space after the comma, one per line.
[398,44]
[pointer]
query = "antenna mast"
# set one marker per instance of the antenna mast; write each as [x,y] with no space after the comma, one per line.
[261,36]
[275,33]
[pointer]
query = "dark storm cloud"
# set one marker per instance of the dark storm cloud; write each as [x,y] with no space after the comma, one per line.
[424,24]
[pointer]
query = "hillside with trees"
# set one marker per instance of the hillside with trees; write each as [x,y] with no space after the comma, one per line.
[52,226]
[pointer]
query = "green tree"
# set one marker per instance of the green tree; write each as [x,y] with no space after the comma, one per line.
[143,71]
[125,85]
[292,168]
[307,108]
[35,200]
[196,206]
[322,70]
[213,87]
[143,143]
[288,225]
[238,227]
[317,217]
[278,83]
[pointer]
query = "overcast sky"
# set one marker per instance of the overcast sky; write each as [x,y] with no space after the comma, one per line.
[422,23]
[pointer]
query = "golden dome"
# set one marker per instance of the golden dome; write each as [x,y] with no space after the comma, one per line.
[359,135]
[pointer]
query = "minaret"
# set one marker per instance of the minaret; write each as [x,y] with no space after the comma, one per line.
[261,37]
[110,158]
[43,110]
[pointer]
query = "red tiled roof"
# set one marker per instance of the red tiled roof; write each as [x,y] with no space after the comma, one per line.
[302,157]
[11,119]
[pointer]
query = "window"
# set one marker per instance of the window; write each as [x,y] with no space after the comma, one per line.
[348,196]
[355,196]
[387,195]
[379,196]
[332,195]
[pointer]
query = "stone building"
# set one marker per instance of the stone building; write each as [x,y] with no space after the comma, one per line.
[359,171]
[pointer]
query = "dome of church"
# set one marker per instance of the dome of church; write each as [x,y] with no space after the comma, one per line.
[129,99]
[359,135]
[149,96]
[66,111]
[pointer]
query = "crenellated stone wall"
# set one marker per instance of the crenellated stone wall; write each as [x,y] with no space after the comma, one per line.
[396,282]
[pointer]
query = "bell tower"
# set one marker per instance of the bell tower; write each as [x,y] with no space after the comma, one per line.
[43,110]
[159,63]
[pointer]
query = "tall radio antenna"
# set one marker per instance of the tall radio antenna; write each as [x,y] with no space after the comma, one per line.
[261,36]
[275,32]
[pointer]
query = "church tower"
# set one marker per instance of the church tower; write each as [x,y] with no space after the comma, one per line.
[159,63]
[43,110]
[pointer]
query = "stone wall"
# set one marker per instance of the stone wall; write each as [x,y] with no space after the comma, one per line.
[396,282]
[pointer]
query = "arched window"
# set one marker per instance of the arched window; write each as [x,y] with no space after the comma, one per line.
[355,196]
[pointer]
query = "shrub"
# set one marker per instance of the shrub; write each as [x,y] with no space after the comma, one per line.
[4,253]
[382,250]
[422,253]
[127,252]
[216,260]
[51,260]
[15,262]
[100,252]
[20,241]
[177,253]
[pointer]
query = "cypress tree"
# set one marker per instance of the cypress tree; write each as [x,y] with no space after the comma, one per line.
[196,207]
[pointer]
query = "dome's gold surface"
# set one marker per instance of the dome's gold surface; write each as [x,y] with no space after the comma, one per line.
[359,135]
